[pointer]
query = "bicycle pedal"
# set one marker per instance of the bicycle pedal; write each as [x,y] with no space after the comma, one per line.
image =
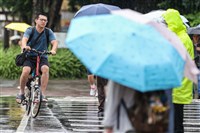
[36,101]
[24,103]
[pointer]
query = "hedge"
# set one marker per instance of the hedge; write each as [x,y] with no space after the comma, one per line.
[64,65]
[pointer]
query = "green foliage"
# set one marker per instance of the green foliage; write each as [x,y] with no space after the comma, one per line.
[66,65]
[8,68]
[194,19]
[63,65]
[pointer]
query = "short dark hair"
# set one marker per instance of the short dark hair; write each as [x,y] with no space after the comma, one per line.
[41,13]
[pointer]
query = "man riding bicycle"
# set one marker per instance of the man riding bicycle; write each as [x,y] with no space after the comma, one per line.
[37,38]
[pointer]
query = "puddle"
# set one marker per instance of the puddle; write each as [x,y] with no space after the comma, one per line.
[10,114]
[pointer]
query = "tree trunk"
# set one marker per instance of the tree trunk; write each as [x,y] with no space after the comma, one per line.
[37,7]
[52,8]
[54,15]
[57,17]
[6,38]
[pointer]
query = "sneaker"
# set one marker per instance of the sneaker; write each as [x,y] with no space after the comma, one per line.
[18,87]
[20,98]
[93,90]
[96,95]
[100,113]
[44,99]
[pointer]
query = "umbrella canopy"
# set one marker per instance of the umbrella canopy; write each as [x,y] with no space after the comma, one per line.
[95,9]
[144,60]
[190,71]
[194,30]
[17,26]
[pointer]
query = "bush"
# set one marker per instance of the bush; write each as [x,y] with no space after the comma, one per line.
[63,65]
[194,19]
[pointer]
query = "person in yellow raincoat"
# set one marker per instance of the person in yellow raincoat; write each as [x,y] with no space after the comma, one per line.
[183,94]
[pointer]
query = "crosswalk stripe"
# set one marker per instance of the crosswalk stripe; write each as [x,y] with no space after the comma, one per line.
[79,114]
[86,125]
[75,120]
[86,130]
[192,117]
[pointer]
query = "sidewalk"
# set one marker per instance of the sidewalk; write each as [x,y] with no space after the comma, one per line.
[56,88]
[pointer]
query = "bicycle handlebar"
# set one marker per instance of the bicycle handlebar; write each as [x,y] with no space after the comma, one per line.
[38,52]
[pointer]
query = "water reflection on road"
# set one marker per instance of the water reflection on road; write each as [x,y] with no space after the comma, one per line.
[10,114]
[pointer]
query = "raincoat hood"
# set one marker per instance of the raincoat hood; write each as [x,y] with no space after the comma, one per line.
[174,21]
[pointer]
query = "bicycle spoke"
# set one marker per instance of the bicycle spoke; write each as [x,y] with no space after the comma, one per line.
[28,101]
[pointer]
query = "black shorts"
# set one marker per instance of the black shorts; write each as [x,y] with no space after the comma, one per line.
[31,62]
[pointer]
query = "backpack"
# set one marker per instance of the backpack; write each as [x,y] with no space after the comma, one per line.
[150,112]
[46,33]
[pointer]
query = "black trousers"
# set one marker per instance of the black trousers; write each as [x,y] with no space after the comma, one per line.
[101,83]
[178,118]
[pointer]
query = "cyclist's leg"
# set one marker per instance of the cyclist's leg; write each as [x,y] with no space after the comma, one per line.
[44,68]
[23,79]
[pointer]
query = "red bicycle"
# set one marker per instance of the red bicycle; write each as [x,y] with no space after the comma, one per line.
[33,93]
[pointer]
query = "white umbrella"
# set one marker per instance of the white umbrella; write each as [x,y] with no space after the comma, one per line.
[157,16]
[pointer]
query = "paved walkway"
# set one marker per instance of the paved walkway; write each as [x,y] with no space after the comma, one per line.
[56,88]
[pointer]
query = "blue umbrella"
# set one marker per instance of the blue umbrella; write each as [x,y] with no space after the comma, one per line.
[95,9]
[130,53]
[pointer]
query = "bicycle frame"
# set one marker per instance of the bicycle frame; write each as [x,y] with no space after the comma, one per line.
[37,74]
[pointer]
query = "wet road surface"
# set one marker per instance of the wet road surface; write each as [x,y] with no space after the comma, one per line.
[71,114]
[10,115]
[78,114]
[69,109]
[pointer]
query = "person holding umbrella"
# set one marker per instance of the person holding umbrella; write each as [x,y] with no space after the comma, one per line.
[181,95]
[194,32]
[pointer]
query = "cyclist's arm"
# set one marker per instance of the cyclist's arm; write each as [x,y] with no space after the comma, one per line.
[25,38]
[54,44]
[24,42]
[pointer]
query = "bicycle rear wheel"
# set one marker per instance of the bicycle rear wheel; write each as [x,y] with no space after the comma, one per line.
[36,101]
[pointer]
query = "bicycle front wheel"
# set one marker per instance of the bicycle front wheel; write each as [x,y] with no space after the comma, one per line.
[28,101]
[36,101]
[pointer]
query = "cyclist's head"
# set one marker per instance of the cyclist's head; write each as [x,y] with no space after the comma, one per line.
[41,19]
[42,14]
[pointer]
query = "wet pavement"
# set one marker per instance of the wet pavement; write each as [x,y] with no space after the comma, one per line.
[78,114]
[10,115]
[69,109]
[66,115]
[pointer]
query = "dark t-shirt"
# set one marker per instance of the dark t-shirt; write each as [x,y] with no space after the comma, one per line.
[41,44]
